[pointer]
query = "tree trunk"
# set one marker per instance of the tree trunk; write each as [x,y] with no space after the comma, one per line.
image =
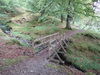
[62,18]
[68,20]
[68,17]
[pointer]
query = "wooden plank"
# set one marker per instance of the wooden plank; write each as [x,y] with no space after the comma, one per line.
[55,60]
[54,34]
[47,41]
[46,37]
[54,51]
[59,57]
[41,38]
[41,44]
[53,40]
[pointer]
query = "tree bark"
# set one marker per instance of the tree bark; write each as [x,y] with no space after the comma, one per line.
[68,20]
[68,17]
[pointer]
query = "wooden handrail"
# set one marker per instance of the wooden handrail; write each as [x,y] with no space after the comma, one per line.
[46,37]
[53,43]
[41,44]
[56,38]
[50,40]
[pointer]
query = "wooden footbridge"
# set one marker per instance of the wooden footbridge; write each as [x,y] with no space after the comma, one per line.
[54,43]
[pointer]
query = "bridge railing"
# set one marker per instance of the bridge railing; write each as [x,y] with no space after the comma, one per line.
[52,42]
[43,41]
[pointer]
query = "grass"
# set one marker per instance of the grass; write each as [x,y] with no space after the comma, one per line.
[12,42]
[83,62]
[89,73]
[84,46]
[33,32]
[33,28]
[2,33]
[52,66]
[91,35]
[84,51]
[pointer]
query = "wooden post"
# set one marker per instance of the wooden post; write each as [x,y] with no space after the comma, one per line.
[61,43]
[33,48]
[58,55]
[56,39]
[49,47]
[64,40]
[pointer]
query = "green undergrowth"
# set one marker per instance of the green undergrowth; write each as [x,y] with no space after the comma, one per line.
[84,51]
[33,32]
[89,73]
[91,35]
[1,33]
[13,41]
[33,29]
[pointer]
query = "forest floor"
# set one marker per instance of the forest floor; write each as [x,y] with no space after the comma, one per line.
[36,65]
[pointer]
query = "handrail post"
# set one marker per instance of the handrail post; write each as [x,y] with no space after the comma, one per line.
[33,48]
[64,36]
[50,47]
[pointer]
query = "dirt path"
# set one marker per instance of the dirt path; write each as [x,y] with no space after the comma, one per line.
[37,65]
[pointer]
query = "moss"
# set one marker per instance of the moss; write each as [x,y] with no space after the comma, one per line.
[91,35]
[94,57]
[52,66]
[84,52]
[34,28]
[85,45]
[83,62]
[89,73]
[94,48]
[13,41]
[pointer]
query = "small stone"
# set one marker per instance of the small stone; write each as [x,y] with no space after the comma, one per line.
[31,71]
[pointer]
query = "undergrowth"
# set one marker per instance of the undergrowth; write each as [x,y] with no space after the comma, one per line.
[91,35]
[84,51]
[34,29]
[13,41]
